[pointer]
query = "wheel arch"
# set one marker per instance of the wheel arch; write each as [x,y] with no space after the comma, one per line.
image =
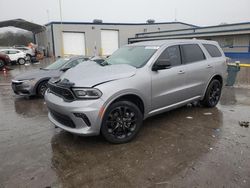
[39,82]
[132,97]
[215,76]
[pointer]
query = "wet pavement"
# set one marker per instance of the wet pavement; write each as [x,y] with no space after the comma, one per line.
[187,147]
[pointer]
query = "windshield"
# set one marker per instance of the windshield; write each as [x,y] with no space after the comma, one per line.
[58,63]
[136,56]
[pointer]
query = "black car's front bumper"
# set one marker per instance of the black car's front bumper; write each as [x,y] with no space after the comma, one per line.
[21,89]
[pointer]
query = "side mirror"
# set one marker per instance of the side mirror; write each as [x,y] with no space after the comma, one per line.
[64,69]
[161,64]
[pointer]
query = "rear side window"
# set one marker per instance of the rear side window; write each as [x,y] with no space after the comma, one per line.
[192,53]
[6,52]
[212,50]
[12,52]
[171,54]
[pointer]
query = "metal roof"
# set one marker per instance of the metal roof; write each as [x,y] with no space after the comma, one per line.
[214,27]
[228,29]
[23,24]
[169,41]
[92,23]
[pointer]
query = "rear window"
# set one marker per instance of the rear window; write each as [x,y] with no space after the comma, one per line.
[212,50]
[192,53]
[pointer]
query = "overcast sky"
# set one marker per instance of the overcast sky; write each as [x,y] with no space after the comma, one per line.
[197,12]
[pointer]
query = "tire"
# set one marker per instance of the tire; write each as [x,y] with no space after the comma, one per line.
[121,122]
[21,61]
[213,94]
[42,87]
[1,64]
[28,56]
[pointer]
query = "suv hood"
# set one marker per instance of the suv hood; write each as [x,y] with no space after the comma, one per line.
[89,74]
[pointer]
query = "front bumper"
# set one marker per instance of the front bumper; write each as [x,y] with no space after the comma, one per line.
[80,117]
[21,89]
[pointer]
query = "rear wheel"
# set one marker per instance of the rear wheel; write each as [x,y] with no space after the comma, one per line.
[21,61]
[213,94]
[42,87]
[1,64]
[121,122]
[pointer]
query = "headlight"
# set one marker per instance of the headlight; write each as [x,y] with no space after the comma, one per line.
[28,83]
[87,93]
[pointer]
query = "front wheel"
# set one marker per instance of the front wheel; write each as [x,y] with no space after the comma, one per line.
[213,94]
[42,87]
[121,122]
[21,61]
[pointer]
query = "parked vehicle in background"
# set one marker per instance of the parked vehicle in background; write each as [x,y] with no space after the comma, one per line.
[15,55]
[4,60]
[29,52]
[35,82]
[137,81]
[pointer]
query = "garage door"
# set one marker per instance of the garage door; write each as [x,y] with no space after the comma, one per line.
[109,41]
[73,43]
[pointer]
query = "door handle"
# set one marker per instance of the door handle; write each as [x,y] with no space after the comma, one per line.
[181,72]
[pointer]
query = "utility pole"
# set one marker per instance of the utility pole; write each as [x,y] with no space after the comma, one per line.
[60,7]
[47,11]
[175,14]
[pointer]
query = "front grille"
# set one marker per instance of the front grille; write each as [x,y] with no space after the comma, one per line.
[65,93]
[16,83]
[63,119]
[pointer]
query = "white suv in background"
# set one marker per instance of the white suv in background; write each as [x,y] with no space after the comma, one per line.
[29,51]
[15,55]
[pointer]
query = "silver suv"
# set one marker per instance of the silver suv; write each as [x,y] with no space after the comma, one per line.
[138,81]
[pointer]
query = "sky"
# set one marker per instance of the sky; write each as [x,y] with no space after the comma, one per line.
[197,12]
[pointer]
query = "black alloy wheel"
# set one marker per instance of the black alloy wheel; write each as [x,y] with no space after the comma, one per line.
[213,94]
[42,87]
[121,122]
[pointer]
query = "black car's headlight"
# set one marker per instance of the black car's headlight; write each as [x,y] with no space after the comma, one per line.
[87,93]
[28,83]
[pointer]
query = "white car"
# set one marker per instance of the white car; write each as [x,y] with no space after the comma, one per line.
[29,51]
[15,55]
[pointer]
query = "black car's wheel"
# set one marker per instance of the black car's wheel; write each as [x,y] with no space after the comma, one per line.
[121,122]
[213,94]
[1,64]
[42,87]
[21,61]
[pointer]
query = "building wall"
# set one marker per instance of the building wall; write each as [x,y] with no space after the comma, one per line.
[93,34]
[44,40]
[232,43]
[233,38]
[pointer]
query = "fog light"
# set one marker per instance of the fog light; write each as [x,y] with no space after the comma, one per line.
[84,118]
